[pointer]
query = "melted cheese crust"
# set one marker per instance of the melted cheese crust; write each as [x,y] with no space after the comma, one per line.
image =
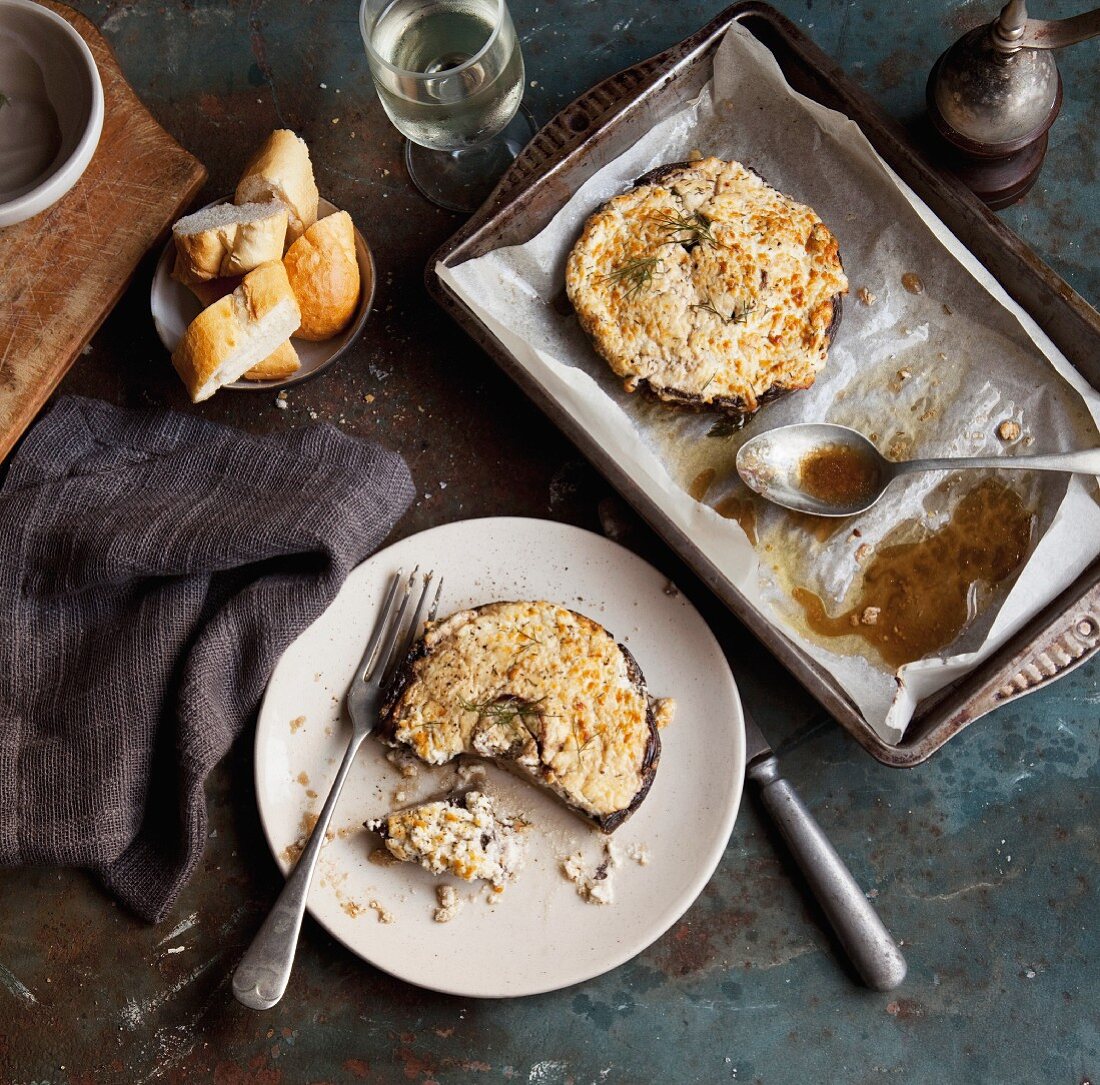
[537,685]
[470,841]
[720,319]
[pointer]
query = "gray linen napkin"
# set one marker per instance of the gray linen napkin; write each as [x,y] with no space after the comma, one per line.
[153,567]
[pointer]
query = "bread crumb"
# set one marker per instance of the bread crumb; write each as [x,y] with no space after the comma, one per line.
[865,296]
[449,904]
[904,373]
[383,915]
[1009,430]
[352,908]
[303,779]
[870,615]
[368,398]
[296,724]
[863,552]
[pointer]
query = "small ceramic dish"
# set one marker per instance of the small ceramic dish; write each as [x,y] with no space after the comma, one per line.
[174,307]
[51,109]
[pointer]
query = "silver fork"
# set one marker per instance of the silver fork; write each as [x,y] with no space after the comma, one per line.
[264,971]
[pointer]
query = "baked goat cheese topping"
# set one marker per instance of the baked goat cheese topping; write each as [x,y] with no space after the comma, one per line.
[462,836]
[539,689]
[709,288]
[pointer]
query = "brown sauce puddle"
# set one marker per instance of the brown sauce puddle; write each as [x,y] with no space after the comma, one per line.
[839,475]
[743,511]
[701,483]
[914,599]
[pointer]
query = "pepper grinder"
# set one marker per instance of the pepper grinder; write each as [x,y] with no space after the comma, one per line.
[995,93]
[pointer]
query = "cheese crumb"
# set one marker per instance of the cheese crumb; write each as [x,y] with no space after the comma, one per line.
[593,887]
[383,915]
[870,615]
[664,709]
[1009,430]
[449,904]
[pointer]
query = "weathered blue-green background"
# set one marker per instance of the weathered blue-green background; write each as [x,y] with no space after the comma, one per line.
[985,861]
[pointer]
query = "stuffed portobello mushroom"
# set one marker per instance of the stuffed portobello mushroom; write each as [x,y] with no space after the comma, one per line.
[708,288]
[540,690]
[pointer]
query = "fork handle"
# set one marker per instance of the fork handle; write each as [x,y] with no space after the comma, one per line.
[264,971]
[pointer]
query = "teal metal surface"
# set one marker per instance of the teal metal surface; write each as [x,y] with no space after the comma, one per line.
[985,861]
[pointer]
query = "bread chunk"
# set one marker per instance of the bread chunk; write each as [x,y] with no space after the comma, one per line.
[282,362]
[227,240]
[281,170]
[324,275]
[233,334]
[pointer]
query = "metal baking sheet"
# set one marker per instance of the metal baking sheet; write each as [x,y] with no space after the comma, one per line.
[592,131]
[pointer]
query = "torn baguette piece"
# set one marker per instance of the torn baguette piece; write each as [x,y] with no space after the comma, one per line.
[281,363]
[228,239]
[281,170]
[539,690]
[324,275]
[463,835]
[232,335]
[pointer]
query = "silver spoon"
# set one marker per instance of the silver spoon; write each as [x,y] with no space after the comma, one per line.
[779,466]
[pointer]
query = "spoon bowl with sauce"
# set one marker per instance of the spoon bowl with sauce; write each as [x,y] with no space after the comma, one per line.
[828,470]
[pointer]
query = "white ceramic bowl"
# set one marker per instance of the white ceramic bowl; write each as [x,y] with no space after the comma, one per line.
[73,89]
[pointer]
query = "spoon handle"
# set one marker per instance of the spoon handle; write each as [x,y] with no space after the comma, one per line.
[1086,462]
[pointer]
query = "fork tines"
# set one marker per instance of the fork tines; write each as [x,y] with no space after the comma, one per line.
[392,638]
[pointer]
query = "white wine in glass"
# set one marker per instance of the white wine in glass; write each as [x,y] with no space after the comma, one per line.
[450,76]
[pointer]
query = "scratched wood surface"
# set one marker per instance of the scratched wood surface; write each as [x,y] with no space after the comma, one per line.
[62,271]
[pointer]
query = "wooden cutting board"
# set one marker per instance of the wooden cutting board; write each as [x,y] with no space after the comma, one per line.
[62,271]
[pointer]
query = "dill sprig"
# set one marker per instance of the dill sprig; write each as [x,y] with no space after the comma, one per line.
[507,711]
[696,226]
[727,427]
[580,746]
[636,275]
[738,315]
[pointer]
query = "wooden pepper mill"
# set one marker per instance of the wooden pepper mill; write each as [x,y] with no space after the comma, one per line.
[994,94]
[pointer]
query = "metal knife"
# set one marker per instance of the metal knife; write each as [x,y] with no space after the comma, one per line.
[866,941]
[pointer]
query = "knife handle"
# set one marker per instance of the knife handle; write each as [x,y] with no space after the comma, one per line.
[866,941]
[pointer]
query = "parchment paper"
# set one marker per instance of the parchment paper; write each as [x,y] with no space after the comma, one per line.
[923,374]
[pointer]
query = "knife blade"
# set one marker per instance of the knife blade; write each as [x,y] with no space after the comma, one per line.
[867,942]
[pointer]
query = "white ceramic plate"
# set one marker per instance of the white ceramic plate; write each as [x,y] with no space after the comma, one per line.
[538,935]
[174,307]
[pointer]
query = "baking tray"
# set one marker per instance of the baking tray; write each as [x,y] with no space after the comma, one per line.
[598,126]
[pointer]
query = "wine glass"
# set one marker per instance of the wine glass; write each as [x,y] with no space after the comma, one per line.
[450,77]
